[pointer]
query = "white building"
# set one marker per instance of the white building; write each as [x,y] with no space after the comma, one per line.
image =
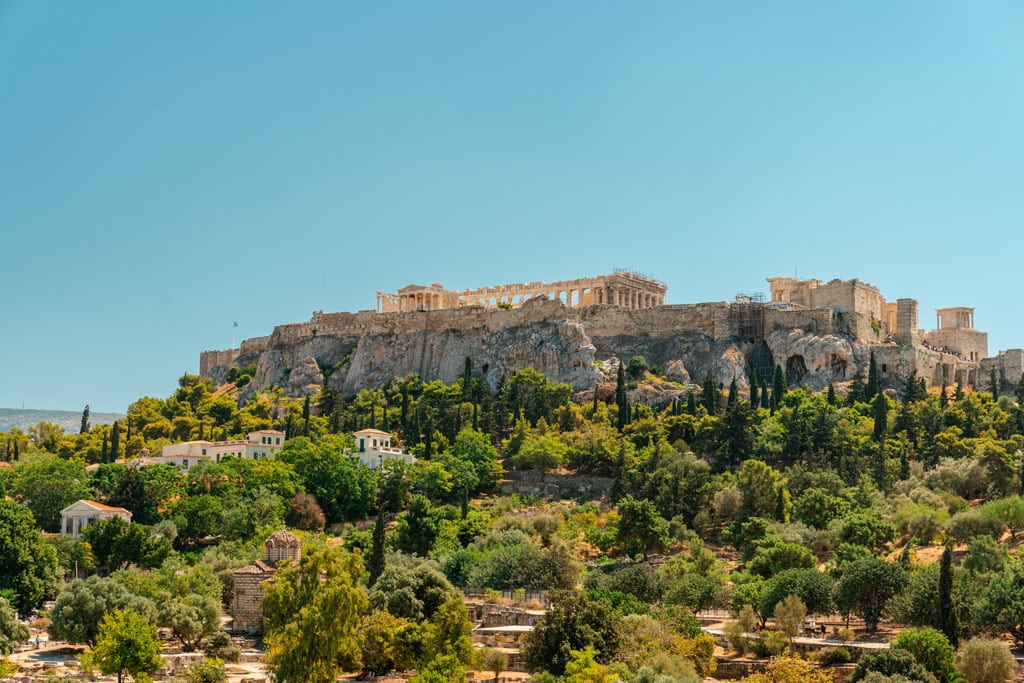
[80,514]
[373,447]
[257,445]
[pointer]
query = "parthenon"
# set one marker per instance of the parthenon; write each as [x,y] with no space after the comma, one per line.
[622,288]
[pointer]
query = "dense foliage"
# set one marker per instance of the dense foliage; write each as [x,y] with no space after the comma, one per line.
[774,504]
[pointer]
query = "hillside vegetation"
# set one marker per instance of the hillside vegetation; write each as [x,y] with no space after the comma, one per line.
[769,505]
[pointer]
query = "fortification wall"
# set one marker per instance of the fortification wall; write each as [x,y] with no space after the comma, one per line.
[211,359]
[896,361]
[971,344]
[254,345]
[817,321]
[1010,366]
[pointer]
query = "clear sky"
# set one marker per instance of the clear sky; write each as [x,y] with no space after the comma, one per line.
[167,168]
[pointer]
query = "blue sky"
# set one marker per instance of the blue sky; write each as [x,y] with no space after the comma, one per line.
[169,168]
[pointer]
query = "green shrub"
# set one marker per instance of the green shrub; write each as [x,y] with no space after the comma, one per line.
[831,656]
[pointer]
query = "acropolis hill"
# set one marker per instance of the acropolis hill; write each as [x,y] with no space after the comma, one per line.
[575,330]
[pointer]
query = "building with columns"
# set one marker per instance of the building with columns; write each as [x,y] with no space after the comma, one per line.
[621,288]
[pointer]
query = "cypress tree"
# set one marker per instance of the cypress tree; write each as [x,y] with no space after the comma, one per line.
[691,404]
[464,507]
[712,398]
[305,417]
[881,413]
[104,448]
[115,441]
[128,432]
[593,412]
[943,396]
[958,393]
[404,416]
[857,389]
[947,615]
[1020,391]
[755,401]
[375,563]
[910,387]
[621,400]
[831,398]
[84,428]
[779,388]
[766,401]
[872,388]
[467,378]
[734,393]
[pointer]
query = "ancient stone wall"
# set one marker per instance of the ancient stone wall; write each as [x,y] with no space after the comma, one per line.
[906,321]
[895,363]
[969,343]
[211,359]
[1009,366]
[815,321]
[254,345]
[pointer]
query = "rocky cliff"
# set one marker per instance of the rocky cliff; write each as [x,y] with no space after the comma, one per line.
[576,346]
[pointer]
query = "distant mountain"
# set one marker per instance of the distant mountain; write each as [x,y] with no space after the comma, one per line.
[70,420]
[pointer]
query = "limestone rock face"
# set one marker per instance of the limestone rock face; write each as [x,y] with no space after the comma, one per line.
[676,372]
[306,379]
[731,365]
[559,350]
[581,347]
[815,360]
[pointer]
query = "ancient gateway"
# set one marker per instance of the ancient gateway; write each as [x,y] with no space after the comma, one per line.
[622,288]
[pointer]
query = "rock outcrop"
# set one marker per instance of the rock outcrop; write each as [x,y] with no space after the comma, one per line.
[577,346]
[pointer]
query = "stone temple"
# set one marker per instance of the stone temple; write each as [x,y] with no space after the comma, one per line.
[622,288]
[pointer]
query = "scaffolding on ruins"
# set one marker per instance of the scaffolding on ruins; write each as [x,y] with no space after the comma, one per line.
[747,315]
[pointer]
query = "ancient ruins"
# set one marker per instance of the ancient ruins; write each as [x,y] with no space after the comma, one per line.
[573,331]
[622,288]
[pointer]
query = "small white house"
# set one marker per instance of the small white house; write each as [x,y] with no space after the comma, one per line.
[373,447]
[80,514]
[257,445]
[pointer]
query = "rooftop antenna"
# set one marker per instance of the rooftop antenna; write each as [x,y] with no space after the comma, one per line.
[234,326]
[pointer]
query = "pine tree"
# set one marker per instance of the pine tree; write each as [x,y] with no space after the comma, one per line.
[881,414]
[85,421]
[115,441]
[947,615]
[872,387]
[831,398]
